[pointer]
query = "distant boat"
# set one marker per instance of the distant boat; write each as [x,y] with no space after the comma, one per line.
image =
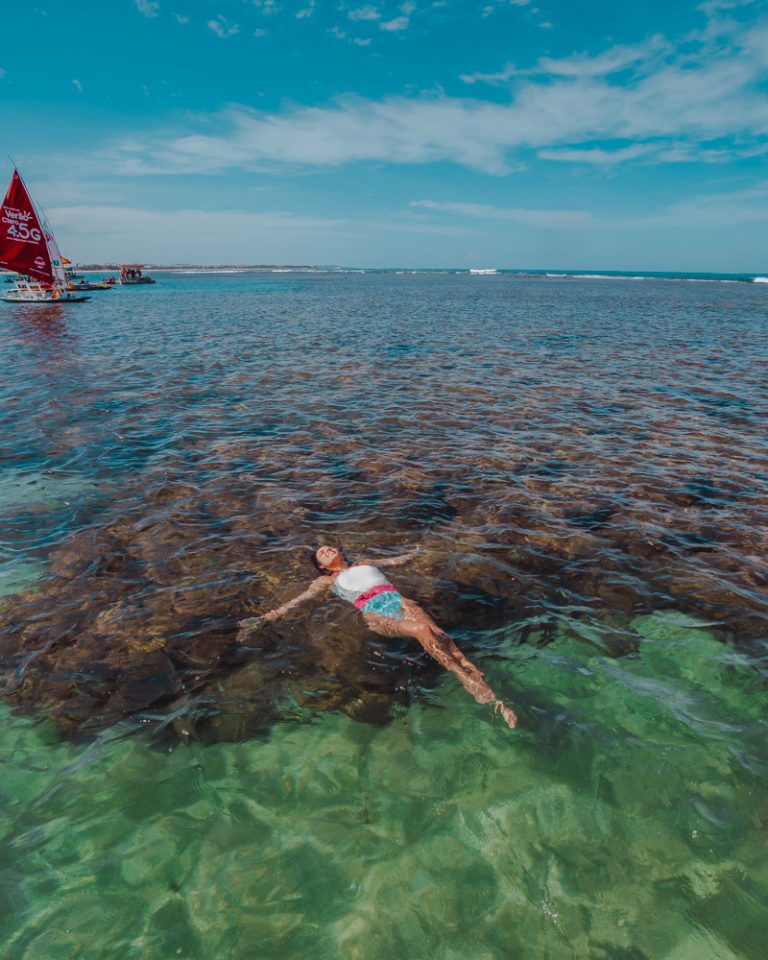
[93,285]
[28,248]
[77,281]
[69,271]
[483,271]
[131,274]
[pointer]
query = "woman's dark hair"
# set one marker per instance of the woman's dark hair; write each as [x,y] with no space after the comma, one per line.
[316,563]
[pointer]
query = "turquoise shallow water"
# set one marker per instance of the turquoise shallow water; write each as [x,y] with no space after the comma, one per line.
[633,824]
[584,466]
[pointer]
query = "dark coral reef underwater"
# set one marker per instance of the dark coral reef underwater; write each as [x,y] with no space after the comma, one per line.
[137,617]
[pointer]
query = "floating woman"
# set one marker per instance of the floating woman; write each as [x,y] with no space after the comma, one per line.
[387,613]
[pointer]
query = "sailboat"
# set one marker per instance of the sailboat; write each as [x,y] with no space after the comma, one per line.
[28,248]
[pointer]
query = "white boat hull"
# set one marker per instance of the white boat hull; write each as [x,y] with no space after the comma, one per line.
[37,293]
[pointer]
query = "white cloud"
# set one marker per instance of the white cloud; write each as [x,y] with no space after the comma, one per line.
[149,8]
[180,18]
[659,151]
[553,219]
[364,13]
[749,205]
[399,23]
[598,156]
[580,66]
[710,102]
[611,61]
[495,5]
[755,44]
[343,35]
[222,27]
[2,74]
[398,130]
[78,86]
[502,76]
[694,153]
[712,7]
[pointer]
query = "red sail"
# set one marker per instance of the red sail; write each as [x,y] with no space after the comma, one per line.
[23,246]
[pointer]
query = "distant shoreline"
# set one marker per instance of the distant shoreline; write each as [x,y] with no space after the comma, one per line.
[480,272]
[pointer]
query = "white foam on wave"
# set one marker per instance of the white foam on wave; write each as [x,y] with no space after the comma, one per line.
[611,276]
[597,276]
[628,276]
[759,279]
[706,280]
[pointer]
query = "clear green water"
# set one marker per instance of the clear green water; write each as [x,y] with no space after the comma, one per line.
[628,821]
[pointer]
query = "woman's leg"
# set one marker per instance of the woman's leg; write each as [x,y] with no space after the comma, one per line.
[418,624]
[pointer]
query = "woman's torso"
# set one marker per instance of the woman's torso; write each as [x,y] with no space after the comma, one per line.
[357,580]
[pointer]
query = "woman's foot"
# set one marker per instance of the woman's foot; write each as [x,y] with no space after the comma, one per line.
[509,716]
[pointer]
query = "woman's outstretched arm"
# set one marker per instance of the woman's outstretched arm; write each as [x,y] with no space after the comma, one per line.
[317,586]
[392,561]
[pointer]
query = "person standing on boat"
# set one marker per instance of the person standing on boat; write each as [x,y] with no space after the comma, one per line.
[388,614]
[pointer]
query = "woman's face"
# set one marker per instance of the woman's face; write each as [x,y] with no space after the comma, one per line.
[328,557]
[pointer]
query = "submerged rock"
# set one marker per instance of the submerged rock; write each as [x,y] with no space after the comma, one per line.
[137,614]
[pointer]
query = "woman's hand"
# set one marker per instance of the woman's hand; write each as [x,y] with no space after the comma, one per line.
[246,627]
[253,623]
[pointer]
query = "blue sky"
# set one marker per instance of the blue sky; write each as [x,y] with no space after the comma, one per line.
[507,133]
